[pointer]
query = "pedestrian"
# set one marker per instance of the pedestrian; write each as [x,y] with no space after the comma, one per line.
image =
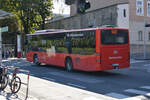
[7,54]
[10,53]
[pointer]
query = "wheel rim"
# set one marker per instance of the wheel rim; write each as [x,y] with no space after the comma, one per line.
[69,65]
[36,59]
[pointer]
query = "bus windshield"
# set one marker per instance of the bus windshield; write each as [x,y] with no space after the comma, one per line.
[114,37]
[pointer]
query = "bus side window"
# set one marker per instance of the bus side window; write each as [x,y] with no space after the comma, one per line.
[68,45]
[26,42]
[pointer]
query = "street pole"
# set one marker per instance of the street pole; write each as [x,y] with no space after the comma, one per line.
[0,47]
[19,46]
[144,39]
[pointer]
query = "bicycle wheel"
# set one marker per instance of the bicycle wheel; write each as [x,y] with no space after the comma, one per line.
[15,84]
[4,82]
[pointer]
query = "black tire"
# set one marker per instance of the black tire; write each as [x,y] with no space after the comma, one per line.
[36,60]
[4,82]
[15,84]
[69,65]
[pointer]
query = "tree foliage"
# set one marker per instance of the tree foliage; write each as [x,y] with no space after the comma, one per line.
[45,10]
[30,13]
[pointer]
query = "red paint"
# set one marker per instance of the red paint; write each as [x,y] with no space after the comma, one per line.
[103,59]
[18,54]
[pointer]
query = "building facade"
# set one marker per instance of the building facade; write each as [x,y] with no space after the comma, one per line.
[96,4]
[8,39]
[132,14]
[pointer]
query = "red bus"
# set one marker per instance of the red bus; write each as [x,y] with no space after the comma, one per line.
[92,49]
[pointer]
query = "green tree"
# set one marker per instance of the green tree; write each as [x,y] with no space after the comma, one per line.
[44,9]
[25,10]
[30,13]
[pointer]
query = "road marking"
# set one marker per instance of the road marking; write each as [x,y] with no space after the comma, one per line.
[136,91]
[145,87]
[79,86]
[50,79]
[147,65]
[134,61]
[117,95]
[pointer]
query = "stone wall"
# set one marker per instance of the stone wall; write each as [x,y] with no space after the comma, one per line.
[97,4]
[99,17]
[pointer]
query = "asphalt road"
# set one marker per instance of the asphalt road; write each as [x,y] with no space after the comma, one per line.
[120,84]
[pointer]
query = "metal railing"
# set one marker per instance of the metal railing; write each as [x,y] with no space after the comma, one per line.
[138,52]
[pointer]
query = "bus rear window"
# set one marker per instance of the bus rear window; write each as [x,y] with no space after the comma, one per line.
[114,37]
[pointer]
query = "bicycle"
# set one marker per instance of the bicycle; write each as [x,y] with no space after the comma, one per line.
[14,82]
[3,78]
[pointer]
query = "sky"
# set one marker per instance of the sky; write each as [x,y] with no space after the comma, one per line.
[60,7]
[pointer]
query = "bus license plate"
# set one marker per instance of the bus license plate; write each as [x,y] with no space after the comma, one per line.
[115,66]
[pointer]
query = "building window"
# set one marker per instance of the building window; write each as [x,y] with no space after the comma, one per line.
[140,36]
[124,12]
[140,7]
[149,36]
[148,8]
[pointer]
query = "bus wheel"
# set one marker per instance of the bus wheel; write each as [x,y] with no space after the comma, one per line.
[36,60]
[69,65]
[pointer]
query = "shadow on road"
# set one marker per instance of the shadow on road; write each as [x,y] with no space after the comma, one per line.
[8,96]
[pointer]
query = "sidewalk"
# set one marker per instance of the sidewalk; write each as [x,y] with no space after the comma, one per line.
[41,89]
[49,90]
[10,96]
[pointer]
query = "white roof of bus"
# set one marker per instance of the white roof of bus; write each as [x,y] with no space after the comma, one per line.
[48,30]
[53,31]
